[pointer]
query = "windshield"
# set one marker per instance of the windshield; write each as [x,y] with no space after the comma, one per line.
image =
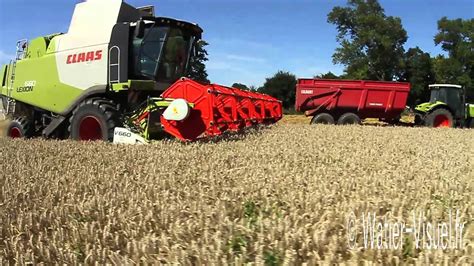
[438,95]
[162,54]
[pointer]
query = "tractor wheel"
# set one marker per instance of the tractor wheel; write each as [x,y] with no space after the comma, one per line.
[349,119]
[471,123]
[323,118]
[94,119]
[439,118]
[19,127]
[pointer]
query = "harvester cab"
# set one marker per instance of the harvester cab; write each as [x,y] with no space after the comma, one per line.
[161,49]
[120,72]
[447,108]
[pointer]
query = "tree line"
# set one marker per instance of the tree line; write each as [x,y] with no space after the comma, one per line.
[371,47]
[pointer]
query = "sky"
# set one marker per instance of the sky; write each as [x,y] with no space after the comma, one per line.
[250,40]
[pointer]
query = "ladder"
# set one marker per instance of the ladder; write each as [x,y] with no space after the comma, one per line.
[21,50]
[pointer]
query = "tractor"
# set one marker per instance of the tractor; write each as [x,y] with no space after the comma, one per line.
[447,108]
[119,74]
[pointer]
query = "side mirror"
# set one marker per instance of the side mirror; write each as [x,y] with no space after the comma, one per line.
[140,29]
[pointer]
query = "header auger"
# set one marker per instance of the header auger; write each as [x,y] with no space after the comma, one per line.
[119,74]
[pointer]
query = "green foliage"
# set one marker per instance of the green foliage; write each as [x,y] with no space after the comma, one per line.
[240,86]
[237,244]
[418,70]
[371,42]
[456,38]
[408,248]
[281,86]
[328,75]
[251,212]
[272,257]
[197,66]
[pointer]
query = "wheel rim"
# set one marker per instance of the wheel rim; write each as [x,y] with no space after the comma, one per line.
[90,129]
[441,121]
[15,133]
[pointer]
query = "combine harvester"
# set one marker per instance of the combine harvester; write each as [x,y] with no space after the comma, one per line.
[118,75]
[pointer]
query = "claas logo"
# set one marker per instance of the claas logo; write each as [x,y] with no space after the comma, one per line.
[84,57]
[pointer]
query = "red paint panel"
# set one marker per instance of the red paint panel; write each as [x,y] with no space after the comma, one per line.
[218,109]
[378,99]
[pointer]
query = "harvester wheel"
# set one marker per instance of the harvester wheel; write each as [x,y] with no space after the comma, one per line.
[439,118]
[349,119]
[19,127]
[323,118]
[94,119]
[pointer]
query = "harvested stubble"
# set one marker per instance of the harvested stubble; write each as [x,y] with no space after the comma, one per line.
[281,195]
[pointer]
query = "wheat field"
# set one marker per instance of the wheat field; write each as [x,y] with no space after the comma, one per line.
[276,196]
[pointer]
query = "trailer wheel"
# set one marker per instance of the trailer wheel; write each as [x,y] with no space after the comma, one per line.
[349,119]
[439,118]
[323,118]
[19,127]
[94,119]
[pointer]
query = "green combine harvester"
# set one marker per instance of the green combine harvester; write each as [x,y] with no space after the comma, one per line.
[447,108]
[119,74]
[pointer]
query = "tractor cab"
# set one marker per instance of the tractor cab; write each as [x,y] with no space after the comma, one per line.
[452,96]
[161,49]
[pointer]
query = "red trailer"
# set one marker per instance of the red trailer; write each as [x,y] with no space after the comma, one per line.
[349,101]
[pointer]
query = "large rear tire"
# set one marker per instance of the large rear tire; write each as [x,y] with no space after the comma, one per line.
[323,118]
[349,119]
[19,127]
[439,118]
[94,119]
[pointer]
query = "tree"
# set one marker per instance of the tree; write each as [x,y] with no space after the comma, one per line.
[328,75]
[456,38]
[371,42]
[197,67]
[240,86]
[418,70]
[281,86]
[253,88]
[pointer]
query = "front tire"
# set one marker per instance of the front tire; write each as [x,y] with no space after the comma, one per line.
[439,118]
[19,127]
[94,119]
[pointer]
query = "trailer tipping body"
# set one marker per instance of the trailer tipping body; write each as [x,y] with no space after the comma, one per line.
[366,99]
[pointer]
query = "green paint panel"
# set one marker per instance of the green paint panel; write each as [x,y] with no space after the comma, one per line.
[134,84]
[3,79]
[47,91]
[426,107]
[471,110]
[36,48]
